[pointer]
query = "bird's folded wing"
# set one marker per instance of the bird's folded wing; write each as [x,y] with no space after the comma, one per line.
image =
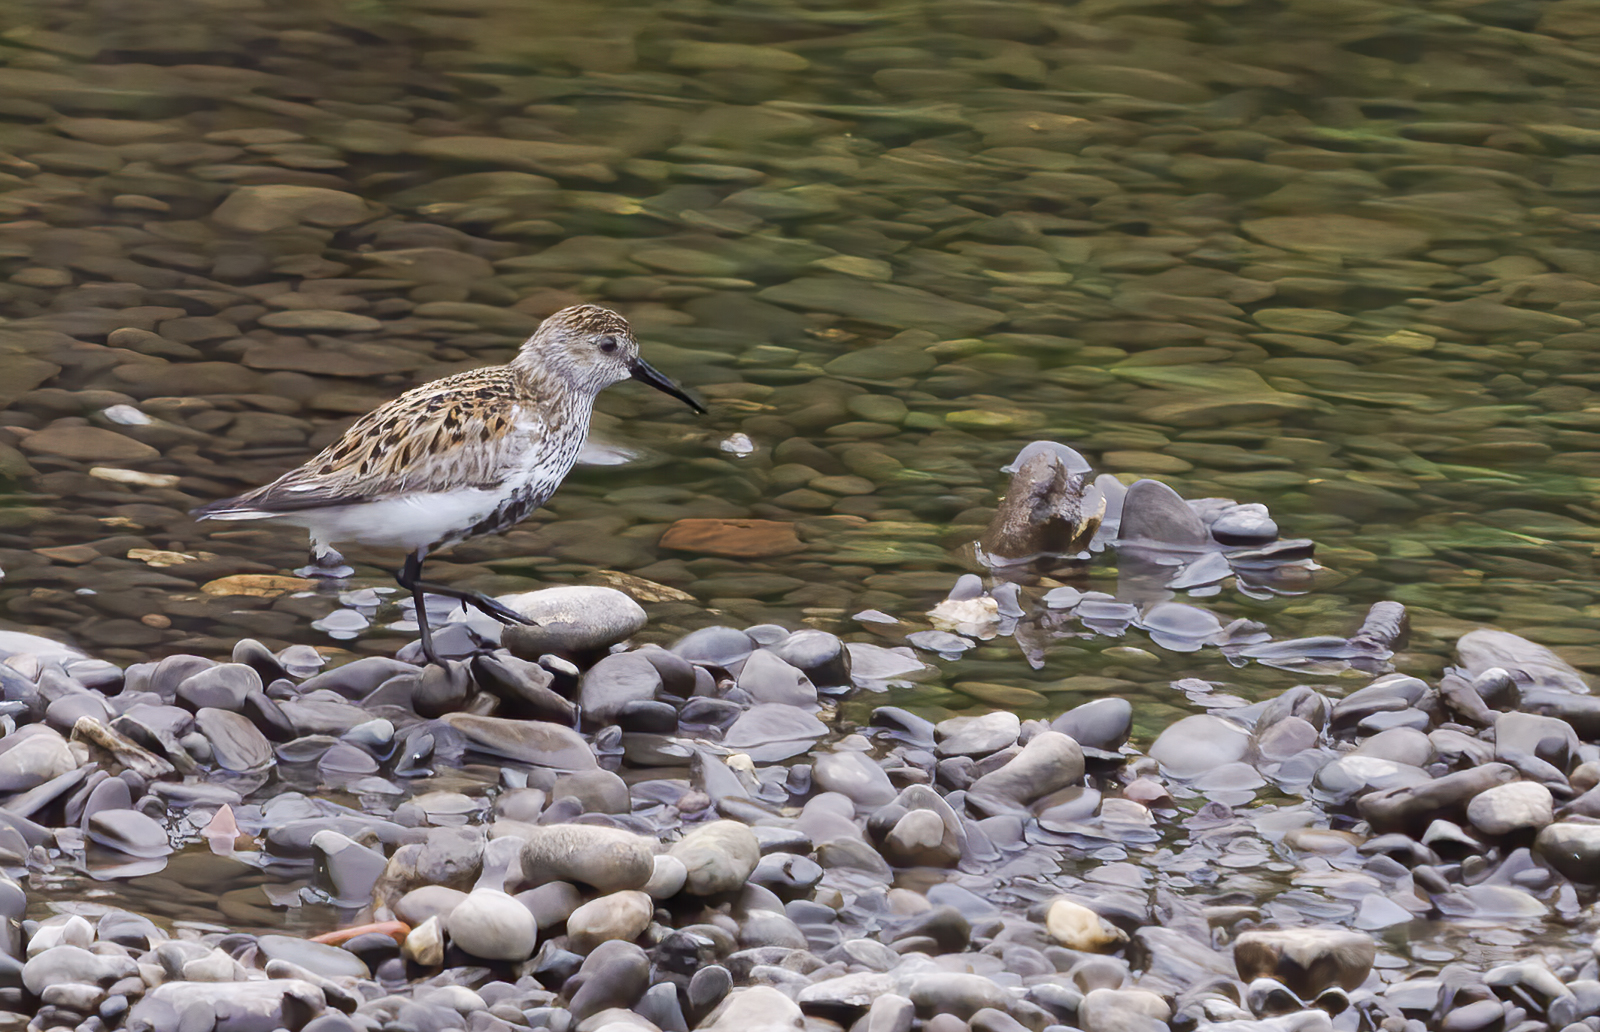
[462,431]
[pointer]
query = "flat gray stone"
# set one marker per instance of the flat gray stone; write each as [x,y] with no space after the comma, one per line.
[525,741]
[325,960]
[236,743]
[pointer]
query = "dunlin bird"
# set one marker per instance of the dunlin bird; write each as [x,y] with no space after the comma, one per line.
[465,455]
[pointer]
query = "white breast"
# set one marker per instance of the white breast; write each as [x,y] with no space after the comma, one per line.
[410,522]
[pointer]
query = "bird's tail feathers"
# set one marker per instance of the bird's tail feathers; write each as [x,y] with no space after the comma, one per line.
[229,509]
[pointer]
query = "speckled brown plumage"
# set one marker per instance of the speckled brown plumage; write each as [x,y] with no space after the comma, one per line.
[452,433]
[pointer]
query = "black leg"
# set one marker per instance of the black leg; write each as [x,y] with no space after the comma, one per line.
[477,600]
[410,578]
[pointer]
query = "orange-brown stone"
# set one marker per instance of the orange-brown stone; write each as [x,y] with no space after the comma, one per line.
[740,539]
[398,930]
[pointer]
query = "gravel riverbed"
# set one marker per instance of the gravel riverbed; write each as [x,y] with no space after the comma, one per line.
[574,833]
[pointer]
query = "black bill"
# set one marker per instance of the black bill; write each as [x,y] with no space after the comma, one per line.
[644,372]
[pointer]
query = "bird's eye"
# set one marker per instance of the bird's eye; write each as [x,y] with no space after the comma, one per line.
[608,344]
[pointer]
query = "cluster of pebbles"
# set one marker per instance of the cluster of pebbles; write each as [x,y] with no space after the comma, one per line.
[573,834]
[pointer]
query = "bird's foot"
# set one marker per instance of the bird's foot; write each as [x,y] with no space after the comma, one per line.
[326,564]
[505,614]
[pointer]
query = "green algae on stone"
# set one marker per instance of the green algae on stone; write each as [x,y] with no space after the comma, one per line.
[1337,235]
[888,304]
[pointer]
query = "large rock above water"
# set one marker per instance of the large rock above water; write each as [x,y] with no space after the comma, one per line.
[571,619]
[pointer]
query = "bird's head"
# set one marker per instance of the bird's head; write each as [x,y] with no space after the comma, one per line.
[591,348]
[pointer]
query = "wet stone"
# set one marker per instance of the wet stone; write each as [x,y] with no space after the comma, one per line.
[620,915]
[1098,724]
[328,961]
[1529,662]
[427,901]
[492,925]
[855,775]
[1077,927]
[961,995]
[350,868]
[34,758]
[1519,735]
[1397,809]
[1050,761]
[612,976]
[236,743]
[719,857]
[1307,960]
[1244,525]
[1522,805]
[524,741]
[977,736]
[1155,514]
[130,832]
[1047,509]
[223,687]
[524,687]
[568,620]
[1198,743]
[62,964]
[767,678]
[769,732]
[613,683]
[723,647]
[609,859]
[1573,849]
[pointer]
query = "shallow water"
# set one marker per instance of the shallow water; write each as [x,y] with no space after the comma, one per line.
[1336,259]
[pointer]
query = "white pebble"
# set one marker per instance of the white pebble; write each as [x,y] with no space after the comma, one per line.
[133,477]
[342,623]
[127,415]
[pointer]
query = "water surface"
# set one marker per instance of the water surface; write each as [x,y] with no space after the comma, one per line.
[1339,259]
